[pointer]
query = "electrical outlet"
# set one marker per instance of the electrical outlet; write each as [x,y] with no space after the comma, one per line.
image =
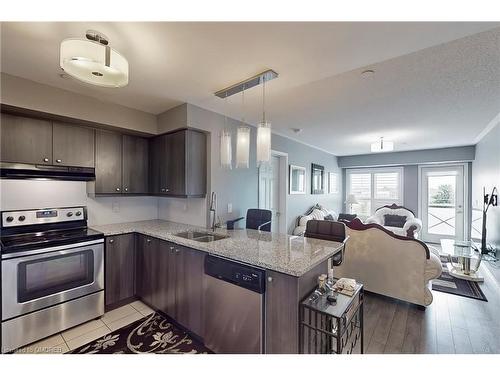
[229,208]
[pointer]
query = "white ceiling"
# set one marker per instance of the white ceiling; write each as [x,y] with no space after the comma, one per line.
[443,95]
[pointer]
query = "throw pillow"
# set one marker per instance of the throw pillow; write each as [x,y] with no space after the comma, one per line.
[394,221]
[329,217]
[347,217]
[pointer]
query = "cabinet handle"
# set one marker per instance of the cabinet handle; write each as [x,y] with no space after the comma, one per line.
[126,189]
[111,240]
[117,189]
[46,160]
[177,251]
[270,279]
[163,190]
[58,161]
[167,190]
[148,240]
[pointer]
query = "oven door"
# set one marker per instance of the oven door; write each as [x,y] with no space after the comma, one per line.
[34,282]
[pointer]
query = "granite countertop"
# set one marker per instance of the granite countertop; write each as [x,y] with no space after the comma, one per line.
[283,253]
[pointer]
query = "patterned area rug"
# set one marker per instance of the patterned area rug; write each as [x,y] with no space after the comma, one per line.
[449,284]
[153,334]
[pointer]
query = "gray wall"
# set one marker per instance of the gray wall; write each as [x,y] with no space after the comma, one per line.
[238,186]
[440,155]
[486,173]
[20,92]
[302,155]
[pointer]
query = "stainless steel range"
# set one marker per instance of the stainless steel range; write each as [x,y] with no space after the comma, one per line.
[52,273]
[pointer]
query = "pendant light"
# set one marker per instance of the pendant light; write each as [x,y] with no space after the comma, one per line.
[93,61]
[382,146]
[263,132]
[226,151]
[243,139]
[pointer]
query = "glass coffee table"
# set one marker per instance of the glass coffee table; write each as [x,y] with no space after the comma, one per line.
[464,259]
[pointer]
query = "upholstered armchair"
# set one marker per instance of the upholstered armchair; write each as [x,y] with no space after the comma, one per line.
[398,219]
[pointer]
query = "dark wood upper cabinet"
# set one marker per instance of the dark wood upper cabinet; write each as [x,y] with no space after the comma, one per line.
[120,268]
[135,165]
[179,161]
[73,145]
[108,163]
[25,140]
[155,154]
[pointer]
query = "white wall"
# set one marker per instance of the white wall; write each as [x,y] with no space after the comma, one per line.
[28,194]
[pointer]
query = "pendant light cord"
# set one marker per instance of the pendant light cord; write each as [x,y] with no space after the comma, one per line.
[264,100]
[243,105]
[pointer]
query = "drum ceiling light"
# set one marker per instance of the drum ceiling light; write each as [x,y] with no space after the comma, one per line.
[93,61]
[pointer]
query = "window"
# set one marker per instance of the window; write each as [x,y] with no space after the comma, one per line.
[374,188]
[333,183]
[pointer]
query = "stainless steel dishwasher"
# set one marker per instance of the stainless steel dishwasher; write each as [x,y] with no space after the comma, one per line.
[234,306]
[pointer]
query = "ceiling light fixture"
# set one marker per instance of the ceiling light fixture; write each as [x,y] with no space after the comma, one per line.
[368,72]
[93,61]
[263,133]
[382,146]
[263,128]
[243,139]
[226,150]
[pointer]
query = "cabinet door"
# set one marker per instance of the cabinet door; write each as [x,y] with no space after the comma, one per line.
[73,145]
[108,163]
[135,164]
[282,313]
[155,157]
[120,268]
[196,163]
[189,289]
[167,278]
[175,163]
[25,140]
[147,267]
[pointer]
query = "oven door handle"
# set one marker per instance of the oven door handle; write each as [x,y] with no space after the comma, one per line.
[50,250]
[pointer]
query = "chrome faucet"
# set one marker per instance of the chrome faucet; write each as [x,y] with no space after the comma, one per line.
[213,210]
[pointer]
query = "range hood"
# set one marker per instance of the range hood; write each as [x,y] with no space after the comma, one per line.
[46,172]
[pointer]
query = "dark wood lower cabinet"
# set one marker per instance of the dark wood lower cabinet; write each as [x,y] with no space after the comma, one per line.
[170,279]
[147,268]
[119,269]
[189,289]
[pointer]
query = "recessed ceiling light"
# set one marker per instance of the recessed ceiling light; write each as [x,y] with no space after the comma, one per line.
[367,73]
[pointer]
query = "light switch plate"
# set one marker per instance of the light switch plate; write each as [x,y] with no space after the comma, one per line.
[229,208]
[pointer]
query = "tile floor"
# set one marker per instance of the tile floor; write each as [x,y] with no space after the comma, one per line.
[87,332]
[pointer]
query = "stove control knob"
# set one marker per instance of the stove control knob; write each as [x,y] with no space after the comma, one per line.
[69,214]
[21,218]
[78,213]
[10,219]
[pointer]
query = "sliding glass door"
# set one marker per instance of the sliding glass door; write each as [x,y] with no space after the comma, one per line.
[442,193]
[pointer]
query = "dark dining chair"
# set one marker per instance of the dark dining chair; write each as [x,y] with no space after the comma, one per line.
[256,219]
[330,231]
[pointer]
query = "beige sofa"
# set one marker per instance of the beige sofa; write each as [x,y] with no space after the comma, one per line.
[389,264]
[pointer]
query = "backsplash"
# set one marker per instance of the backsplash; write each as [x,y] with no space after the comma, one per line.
[29,194]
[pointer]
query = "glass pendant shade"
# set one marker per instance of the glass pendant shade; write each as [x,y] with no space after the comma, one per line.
[94,63]
[243,147]
[264,142]
[226,152]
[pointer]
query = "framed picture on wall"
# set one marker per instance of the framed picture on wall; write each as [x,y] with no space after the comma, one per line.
[297,179]
[333,183]
[317,179]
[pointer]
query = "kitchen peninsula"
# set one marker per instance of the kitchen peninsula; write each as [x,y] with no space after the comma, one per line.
[169,272]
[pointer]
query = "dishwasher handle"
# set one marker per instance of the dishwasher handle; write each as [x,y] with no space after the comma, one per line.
[244,276]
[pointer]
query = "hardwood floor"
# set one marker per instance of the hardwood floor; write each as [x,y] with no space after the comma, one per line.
[451,324]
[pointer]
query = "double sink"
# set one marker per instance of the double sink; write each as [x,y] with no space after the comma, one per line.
[201,236]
